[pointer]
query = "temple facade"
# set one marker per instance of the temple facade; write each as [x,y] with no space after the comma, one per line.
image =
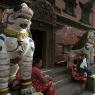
[58,27]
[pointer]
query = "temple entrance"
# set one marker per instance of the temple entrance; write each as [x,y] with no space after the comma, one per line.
[39,38]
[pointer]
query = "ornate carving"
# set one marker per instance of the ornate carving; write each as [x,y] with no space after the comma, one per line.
[86,10]
[51,1]
[57,9]
[12,3]
[43,11]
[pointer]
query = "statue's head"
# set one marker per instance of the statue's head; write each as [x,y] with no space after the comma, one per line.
[20,16]
[90,40]
[91,37]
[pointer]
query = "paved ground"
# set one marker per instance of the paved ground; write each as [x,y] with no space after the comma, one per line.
[87,93]
[68,89]
[72,89]
[61,91]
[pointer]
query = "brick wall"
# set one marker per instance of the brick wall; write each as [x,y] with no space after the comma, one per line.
[60,5]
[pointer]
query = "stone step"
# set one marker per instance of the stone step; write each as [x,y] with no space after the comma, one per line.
[61,80]
[56,71]
[59,74]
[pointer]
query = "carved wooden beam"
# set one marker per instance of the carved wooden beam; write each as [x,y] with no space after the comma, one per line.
[65,20]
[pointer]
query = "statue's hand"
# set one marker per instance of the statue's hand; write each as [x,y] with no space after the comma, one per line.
[28,91]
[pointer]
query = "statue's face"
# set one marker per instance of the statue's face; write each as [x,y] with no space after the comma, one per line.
[21,21]
[91,37]
[20,16]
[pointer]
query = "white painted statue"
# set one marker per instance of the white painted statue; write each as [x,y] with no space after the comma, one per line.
[90,46]
[16,48]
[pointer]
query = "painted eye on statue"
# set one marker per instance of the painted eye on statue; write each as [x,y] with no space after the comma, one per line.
[23,25]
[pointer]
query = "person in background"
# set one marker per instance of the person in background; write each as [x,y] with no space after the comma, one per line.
[83,65]
[40,81]
[80,69]
[83,69]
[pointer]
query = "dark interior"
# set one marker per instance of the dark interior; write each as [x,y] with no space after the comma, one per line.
[37,36]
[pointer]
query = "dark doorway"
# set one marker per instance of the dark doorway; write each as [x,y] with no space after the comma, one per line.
[38,37]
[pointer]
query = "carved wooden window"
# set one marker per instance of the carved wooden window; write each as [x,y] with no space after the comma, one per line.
[86,10]
[57,9]
[70,6]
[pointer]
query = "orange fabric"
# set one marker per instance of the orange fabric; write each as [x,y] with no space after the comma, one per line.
[37,81]
[76,75]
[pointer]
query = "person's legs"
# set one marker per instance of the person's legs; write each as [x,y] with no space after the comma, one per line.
[50,90]
[46,88]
